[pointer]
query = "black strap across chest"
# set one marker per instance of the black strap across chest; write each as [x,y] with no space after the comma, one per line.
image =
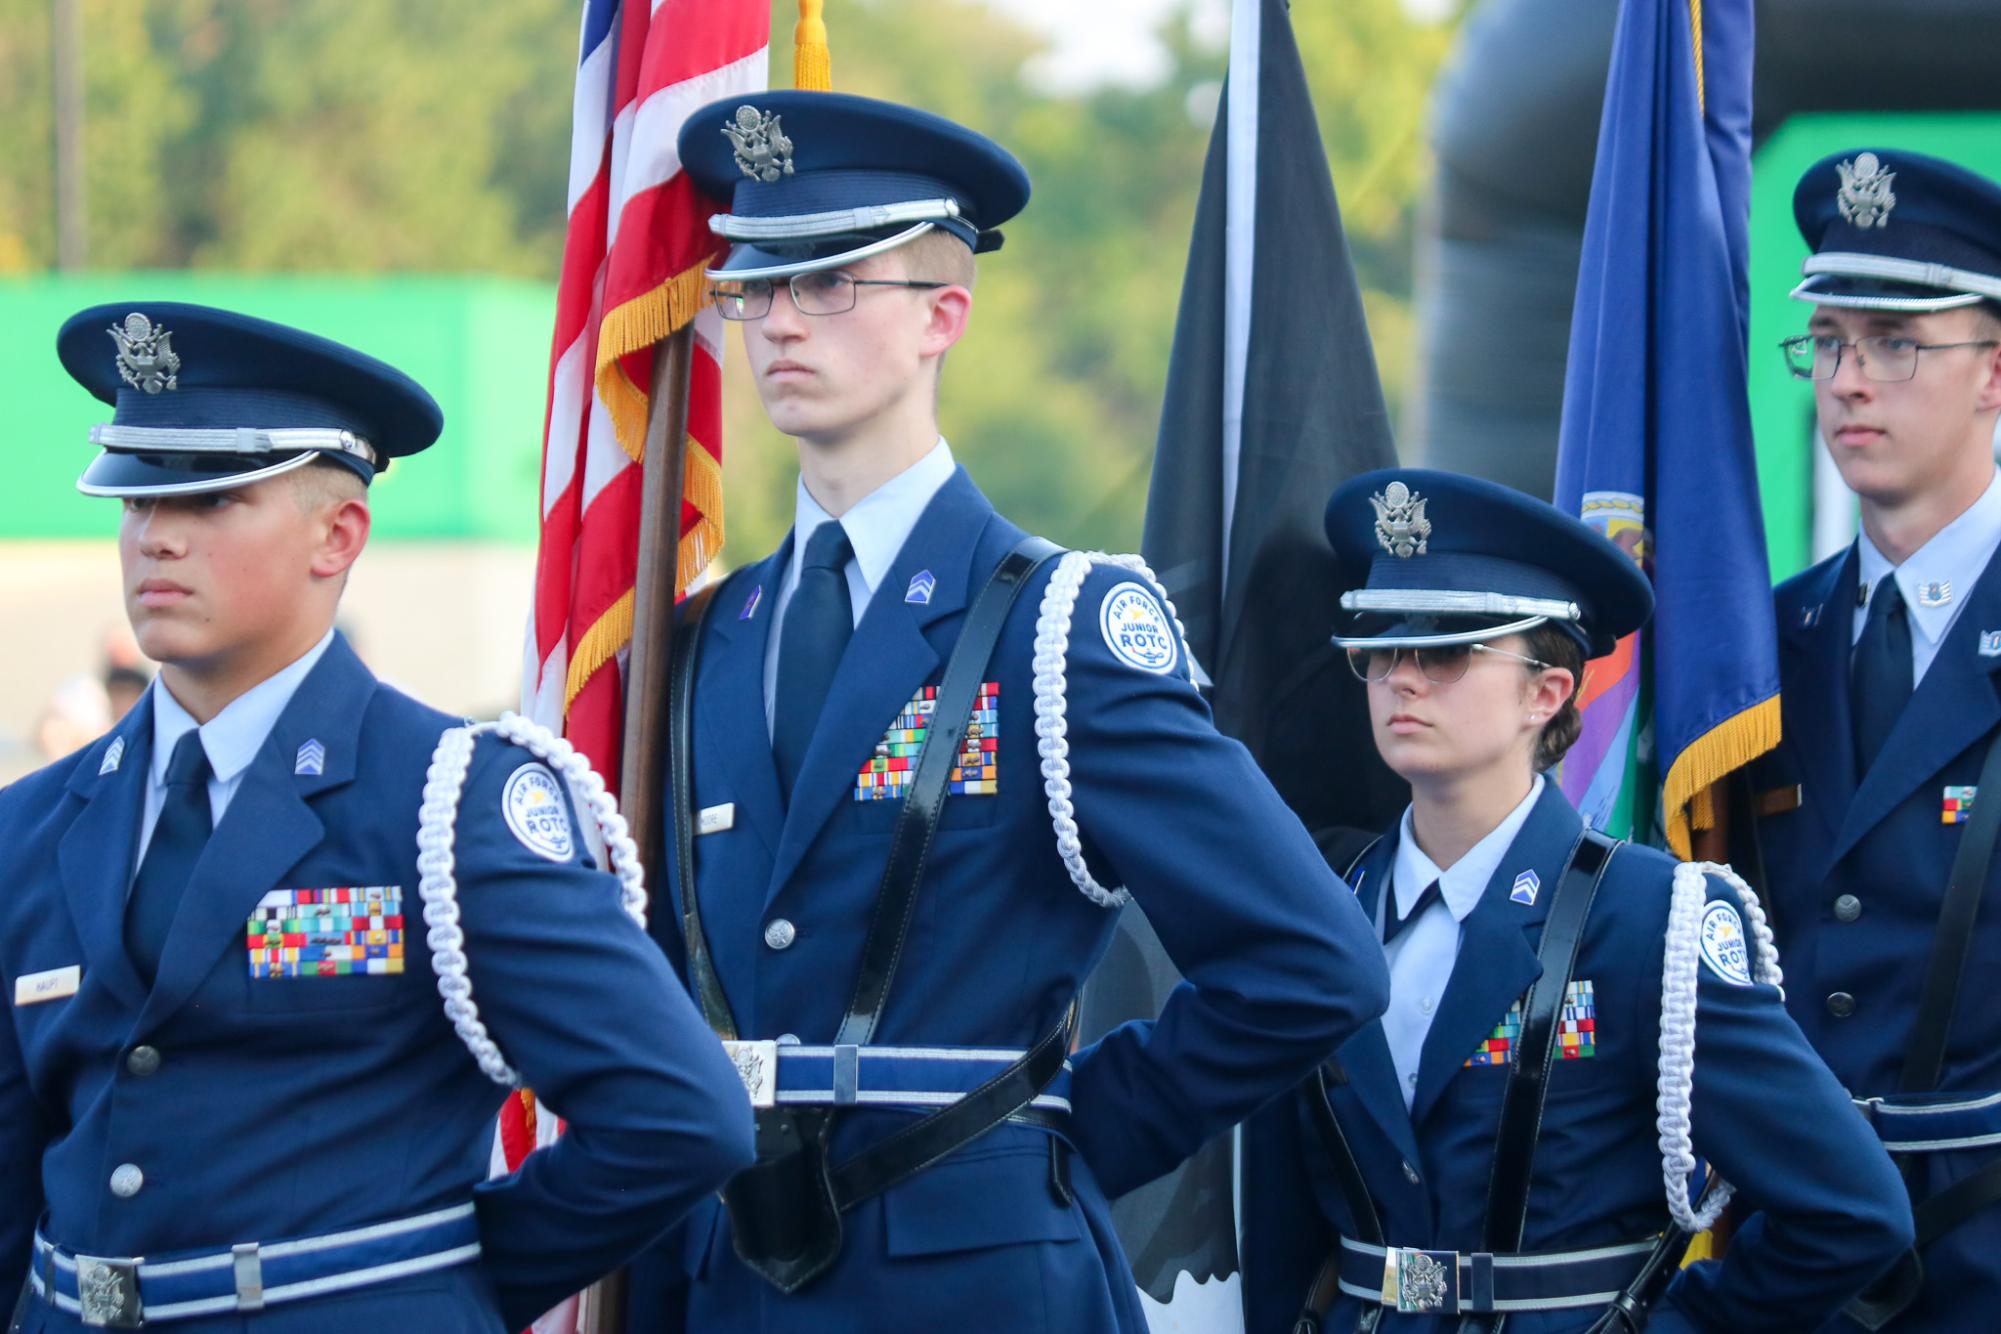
[1535,1050]
[1924,1058]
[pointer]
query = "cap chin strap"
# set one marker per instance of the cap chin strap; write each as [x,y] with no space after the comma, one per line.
[846,257]
[1477,636]
[1959,287]
[836,222]
[221,482]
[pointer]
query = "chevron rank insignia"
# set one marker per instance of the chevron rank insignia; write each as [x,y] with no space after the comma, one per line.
[311,759]
[113,755]
[886,774]
[345,931]
[1526,885]
[1576,1030]
[1990,643]
[922,584]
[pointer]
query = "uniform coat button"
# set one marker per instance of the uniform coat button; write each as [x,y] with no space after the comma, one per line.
[143,1061]
[779,933]
[126,1179]
[1841,1005]
[1847,908]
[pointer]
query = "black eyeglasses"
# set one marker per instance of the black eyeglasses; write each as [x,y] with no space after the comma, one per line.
[1886,358]
[828,292]
[1441,665]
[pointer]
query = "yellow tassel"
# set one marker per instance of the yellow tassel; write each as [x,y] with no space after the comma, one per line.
[812,62]
[600,644]
[1730,745]
[638,324]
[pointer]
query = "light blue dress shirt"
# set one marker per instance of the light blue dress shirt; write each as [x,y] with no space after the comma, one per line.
[1422,956]
[876,526]
[1939,576]
[231,739]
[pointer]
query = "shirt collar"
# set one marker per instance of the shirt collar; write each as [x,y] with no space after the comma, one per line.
[878,524]
[1466,881]
[1940,574]
[233,737]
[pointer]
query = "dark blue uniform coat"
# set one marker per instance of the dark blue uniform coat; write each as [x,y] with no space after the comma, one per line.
[1765,1112]
[1279,963]
[302,1106]
[1882,839]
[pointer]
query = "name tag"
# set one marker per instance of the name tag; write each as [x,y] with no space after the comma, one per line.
[715,819]
[53,984]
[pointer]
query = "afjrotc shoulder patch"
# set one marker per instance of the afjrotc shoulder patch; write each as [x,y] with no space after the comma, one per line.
[345,931]
[1576,1030]
[886,774]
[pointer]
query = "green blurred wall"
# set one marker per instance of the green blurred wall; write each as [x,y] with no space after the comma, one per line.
[481,345]
[1782,407]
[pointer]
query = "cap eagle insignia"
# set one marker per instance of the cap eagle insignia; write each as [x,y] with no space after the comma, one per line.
[1401,527]
[1864,199]
[762,149]
[146,358]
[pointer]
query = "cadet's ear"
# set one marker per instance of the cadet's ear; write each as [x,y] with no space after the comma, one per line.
[1990,389]
[346,524]
[948,309]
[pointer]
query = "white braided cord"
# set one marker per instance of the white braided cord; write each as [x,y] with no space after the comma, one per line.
[437,823]
[1052,726]
[1677,1058]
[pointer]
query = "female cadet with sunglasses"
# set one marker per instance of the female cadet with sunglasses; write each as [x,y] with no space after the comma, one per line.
[1571,1022]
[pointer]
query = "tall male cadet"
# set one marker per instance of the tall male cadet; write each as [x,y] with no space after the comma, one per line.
[815,691]
[1888,653]
[230,1098]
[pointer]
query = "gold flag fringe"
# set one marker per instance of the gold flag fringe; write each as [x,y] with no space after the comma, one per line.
[1730,745]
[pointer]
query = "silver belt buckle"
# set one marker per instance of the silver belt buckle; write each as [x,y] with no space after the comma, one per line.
[757,1066]
[1418,1282]
[108,1292]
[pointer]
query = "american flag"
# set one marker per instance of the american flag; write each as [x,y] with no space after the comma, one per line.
[637,243]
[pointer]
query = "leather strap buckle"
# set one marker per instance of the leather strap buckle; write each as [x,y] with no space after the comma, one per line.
[756,1062]
[108,1292]
[1419,1282]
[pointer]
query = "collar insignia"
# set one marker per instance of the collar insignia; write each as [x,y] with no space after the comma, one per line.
[1935,594]
[1526,885]
[146,358]
[1864,198]
[762,149]
[116,752]
[1400,523]
[312,758]
[922,585]
[750,603]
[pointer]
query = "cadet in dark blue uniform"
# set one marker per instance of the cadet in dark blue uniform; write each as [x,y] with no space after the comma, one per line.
[1431,1171]
[1887,655]
[1075,758]
[230,1096]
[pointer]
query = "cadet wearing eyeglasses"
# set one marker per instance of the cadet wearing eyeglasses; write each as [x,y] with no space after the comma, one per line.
[1870,807]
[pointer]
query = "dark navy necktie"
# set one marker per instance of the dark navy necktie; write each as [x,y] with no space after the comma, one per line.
[1880,683]
[819,621]
[1393,923]
[178,839]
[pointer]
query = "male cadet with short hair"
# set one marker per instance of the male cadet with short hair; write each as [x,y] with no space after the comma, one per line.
[906,792]
[229,1085]
[1867,811]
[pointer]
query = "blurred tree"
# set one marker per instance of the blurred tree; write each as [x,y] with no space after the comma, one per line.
[379,135]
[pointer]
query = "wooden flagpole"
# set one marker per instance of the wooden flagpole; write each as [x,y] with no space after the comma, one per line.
[642,773]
